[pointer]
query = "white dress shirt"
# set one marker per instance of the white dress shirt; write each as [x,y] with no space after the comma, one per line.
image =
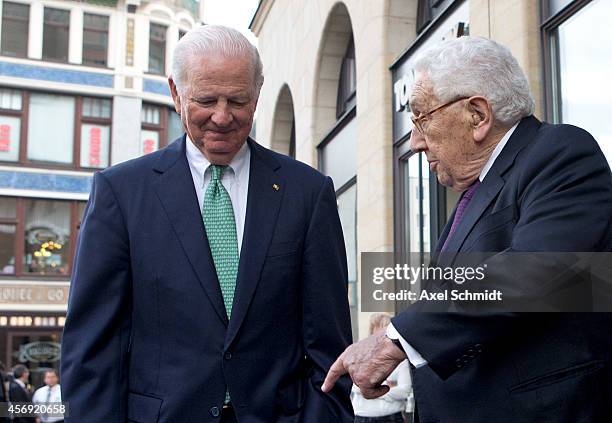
[413,355]
[46,395]
[235,179]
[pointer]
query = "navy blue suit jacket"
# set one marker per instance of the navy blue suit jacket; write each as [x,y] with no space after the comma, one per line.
[147,338]
[550,189]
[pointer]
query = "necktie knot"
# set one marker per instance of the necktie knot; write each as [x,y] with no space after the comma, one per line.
[469,193]
[217,171]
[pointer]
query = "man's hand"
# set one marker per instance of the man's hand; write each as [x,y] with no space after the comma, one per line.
[369,362]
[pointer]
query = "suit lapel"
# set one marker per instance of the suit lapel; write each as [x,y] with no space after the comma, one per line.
[175,190]
[488,189]
[263,204]
[486,192]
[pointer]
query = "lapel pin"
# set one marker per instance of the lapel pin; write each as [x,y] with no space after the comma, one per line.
[276,187]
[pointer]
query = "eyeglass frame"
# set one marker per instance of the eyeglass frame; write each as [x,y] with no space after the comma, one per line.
[416,121]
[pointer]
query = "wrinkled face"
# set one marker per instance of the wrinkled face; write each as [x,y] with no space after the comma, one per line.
[447,138]
[50,379]
[217,105]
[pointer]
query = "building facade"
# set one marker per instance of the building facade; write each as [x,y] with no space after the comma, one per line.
[82,87]
[338,78]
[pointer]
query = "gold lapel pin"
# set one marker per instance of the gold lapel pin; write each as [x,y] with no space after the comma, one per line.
[276,187]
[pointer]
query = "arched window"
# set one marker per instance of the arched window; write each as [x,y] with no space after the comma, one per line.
[347,85]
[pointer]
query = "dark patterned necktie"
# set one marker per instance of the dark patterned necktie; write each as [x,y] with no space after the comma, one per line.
[461,207]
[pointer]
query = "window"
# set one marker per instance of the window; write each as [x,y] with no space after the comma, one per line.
[338,159]
[347,84]
[157,49]
[15,26]
[8,228]
[10,124]
[37,237]
[47,237]
[428,10]
[159,126]
[95,132]
[55,34]
[51,128]
[175,126]
[578,58]
[95,39]
[153,124]
[49,120]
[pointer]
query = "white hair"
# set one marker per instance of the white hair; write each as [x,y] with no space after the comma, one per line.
[207,40]
[469,66]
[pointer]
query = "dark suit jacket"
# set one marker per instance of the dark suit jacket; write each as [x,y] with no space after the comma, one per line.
[19,394]
[147,337]
[550,189]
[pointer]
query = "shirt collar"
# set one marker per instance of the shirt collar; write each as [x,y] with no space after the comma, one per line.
[498,149]
[239,164]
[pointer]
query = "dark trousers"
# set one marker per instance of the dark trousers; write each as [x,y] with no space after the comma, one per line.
[391,418]
[228,415]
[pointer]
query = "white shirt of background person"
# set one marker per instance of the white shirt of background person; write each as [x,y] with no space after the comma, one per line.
[51,392]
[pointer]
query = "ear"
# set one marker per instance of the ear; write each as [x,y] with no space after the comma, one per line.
[175,96]
[481,119]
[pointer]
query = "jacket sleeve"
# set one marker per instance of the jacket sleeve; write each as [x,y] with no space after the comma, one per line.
[326,318]
[566,186]
[96,334]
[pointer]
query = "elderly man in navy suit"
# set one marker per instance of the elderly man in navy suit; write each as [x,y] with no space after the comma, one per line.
[527,186]
[210,281]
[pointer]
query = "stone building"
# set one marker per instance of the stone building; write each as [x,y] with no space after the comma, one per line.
[338,75]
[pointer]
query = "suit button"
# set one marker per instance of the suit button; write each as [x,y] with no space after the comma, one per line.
[228,355]
[214,411]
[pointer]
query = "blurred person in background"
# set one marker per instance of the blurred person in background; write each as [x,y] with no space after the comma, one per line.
[49,393]
[389,407]
[19,391]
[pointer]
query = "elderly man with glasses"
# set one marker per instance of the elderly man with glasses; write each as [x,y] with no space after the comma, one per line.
[527,186]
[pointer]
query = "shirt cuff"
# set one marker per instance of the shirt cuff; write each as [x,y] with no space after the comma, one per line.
[413,355]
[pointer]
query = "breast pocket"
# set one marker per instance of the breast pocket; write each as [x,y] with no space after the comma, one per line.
[493,232]
[280,249]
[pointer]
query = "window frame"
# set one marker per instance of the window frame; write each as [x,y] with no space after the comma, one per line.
[161,127]
[107,32]
[67,26]
[27,29]
[165,44]
[19,245]
[79,119]
[552,17]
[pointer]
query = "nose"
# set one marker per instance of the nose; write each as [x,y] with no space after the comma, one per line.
[222,116]
[417,141]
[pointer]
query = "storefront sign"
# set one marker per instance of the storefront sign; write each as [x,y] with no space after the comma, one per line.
[5,137]
[95,141]
[149,140]
[9,138]
[37,352]
[94,145]
[32,294]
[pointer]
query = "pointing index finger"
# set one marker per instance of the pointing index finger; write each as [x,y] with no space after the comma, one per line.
[335,371]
